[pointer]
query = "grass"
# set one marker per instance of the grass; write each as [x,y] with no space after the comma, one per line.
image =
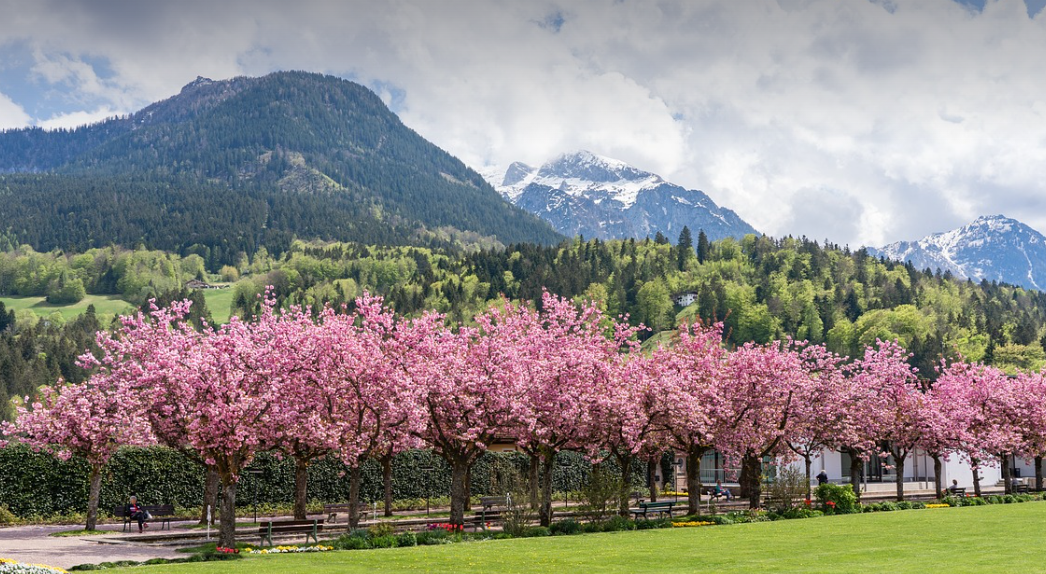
[219,303]
[103,305]
[81,532]
[954,540]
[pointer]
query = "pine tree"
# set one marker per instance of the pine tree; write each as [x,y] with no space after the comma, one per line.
[702,246]
[684,247]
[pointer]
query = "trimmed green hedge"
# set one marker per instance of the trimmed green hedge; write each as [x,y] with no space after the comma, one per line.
[42,485]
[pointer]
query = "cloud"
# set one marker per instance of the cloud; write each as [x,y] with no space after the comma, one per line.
[12,115]
[900,117]
[77,119]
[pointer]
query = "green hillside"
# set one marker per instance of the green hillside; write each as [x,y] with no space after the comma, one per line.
[226,167]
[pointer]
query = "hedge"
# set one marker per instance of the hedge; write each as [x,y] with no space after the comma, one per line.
[42,485]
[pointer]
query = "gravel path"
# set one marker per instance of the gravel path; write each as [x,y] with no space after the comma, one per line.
[32,544]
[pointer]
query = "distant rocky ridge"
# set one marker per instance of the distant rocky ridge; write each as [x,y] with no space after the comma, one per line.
[582,193]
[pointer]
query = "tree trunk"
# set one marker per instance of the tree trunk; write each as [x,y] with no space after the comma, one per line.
[92,497]
[227,526]
[355,476]
[211,482]
[855,475]
[468,489]
[301,487]
[545,511]
[533,481]
[938,480]
[458,476]
[809,475]
[898,459]
[651,477]
[754,467]
[693,480]
[625,460]
[386,479]
[1007,475]
[976,477]
[1038,473]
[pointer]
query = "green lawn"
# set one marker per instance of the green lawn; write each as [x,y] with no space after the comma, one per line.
[103,304]
[953,540]
[219,303]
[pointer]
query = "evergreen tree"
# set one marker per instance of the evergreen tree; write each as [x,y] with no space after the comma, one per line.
[685,248]
[702,246]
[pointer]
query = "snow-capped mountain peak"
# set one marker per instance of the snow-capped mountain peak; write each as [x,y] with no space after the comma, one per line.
[992,247]
[577,174]
[596,196]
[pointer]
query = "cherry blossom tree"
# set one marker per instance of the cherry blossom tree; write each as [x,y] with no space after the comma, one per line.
[690,398]
[763,383]
[90,420]
[901,402]
[212,387]
[1031,411]
[817,416]
[565,360]
[469,383]
[372,406]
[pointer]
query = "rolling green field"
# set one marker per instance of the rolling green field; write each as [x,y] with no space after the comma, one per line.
[219,302]
[953,540]
[103,305]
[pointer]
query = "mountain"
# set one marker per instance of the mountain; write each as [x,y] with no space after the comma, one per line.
[995,248]
[244,163]
[585,194]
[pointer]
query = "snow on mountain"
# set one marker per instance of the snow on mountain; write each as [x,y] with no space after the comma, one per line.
[995,248]
[582,193]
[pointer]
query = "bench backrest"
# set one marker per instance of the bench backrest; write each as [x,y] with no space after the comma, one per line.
[329,507]
[649,505]
[156,509]
[487,501]
[288,525]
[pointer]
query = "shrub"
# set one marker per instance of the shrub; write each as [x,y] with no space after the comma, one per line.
[617,523]
[432,537]
[387,541]
[381,529]
[6,516]
[788,489]
[536,531]
[407,539]
[569,526]
[651,524]
[796,513]
[837,499]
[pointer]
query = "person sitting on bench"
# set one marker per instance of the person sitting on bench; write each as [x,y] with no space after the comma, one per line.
[720,490]
[137,512]
[954,487]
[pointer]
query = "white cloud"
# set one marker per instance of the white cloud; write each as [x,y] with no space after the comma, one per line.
[11,114]
[907,117]
[77,119]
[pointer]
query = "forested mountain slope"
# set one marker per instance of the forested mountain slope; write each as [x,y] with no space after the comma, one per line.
[241,163]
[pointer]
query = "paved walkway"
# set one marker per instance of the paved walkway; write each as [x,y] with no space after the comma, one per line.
[32,544]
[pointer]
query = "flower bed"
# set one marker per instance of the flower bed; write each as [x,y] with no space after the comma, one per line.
[938,506]
[288,549]
[8,566]
[691,523]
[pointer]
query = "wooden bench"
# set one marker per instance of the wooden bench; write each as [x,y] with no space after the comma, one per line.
[310,528]
[159,512]
[646,508]
[957,490]
[494,505]
[333,510]
[1021,489]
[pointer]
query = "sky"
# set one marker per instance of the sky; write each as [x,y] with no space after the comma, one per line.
[859,121]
